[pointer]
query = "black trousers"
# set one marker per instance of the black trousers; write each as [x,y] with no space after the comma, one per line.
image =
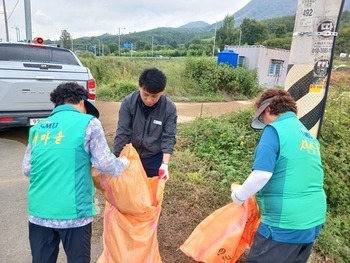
[152,164]
[268,251]
[44,243]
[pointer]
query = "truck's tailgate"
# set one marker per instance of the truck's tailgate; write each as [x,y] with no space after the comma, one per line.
[29,88]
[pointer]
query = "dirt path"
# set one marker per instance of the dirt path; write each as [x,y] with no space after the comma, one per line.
[186,111]
[184,206]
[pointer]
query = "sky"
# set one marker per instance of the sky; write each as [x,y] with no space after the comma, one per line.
[94,18]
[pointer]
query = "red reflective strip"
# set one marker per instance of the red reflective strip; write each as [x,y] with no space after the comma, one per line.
[6,119]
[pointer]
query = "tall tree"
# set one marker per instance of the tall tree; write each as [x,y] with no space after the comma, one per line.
[343,40]
[225,35]
[66,39]
[113,48]
[253,31]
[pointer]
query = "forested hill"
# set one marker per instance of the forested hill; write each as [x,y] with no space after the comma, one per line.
[261,10]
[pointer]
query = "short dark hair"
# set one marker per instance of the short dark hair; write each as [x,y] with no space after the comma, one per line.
[68,92]
[152,80]
[281,101]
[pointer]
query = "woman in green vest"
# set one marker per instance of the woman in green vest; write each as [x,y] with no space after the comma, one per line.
[61,150]
[287,178]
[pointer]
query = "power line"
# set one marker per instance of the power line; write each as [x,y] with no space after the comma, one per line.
[13,10]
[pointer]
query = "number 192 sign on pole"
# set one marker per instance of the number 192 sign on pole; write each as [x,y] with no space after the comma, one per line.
[311,56]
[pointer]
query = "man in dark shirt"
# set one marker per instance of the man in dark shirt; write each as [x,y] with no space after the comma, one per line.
[147,120]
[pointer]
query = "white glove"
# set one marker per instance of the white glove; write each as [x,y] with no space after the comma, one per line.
[125,162]
[163,172]
[235,199]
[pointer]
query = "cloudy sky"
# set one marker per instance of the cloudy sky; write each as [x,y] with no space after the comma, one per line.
[93,18]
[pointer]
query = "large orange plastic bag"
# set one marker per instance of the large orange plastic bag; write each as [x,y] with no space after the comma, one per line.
[225,234]
[133,205]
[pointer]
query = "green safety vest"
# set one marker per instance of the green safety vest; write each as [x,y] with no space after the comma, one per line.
[61,185]
[294,197]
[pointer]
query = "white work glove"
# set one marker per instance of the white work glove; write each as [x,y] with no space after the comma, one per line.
[235,199]
[125,162]
[163,172]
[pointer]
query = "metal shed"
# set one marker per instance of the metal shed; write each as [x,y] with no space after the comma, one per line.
[270,63]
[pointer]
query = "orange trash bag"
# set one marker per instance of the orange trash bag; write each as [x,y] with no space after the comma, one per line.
[132,210]
[225,234]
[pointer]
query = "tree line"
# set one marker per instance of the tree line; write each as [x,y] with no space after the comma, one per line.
[204,41]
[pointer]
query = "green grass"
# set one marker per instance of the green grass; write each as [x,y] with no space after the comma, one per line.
[188,79]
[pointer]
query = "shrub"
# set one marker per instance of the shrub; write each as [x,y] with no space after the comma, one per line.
[199,79]
[116,92]
[123,89]
[212,78]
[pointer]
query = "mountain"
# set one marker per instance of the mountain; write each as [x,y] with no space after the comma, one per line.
[266,9]
[260,10]
[197,24]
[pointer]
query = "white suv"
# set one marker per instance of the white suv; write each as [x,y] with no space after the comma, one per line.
[28,74]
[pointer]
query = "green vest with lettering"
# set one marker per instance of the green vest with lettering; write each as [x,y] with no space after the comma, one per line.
[61,185]
[294,197]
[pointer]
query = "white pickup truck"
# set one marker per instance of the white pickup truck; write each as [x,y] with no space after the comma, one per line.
[28,74]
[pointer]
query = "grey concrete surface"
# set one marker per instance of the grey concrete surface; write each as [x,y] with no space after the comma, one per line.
[14,243]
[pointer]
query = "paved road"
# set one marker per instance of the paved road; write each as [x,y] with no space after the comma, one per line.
[14,244]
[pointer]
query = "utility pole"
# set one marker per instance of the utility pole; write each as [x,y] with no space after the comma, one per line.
[99,47]
[6,25]
[18,33]
[212,55]
[152,46]
[28,20]
[119,37]
[311,59]
[240,35]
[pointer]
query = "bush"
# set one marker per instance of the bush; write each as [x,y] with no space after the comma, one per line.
[194,79]
[123,89]
[334,239]
[212,78]
[116,92]
[237,81]
[227,143]
[335,141]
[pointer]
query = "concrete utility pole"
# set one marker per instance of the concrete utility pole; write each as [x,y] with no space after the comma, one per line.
[18,33]
[152,46]
[28,21]
[214,38]
[119,37]
[6,25]
[311,57]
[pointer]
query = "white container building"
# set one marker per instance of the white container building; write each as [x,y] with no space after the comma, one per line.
[270,63]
